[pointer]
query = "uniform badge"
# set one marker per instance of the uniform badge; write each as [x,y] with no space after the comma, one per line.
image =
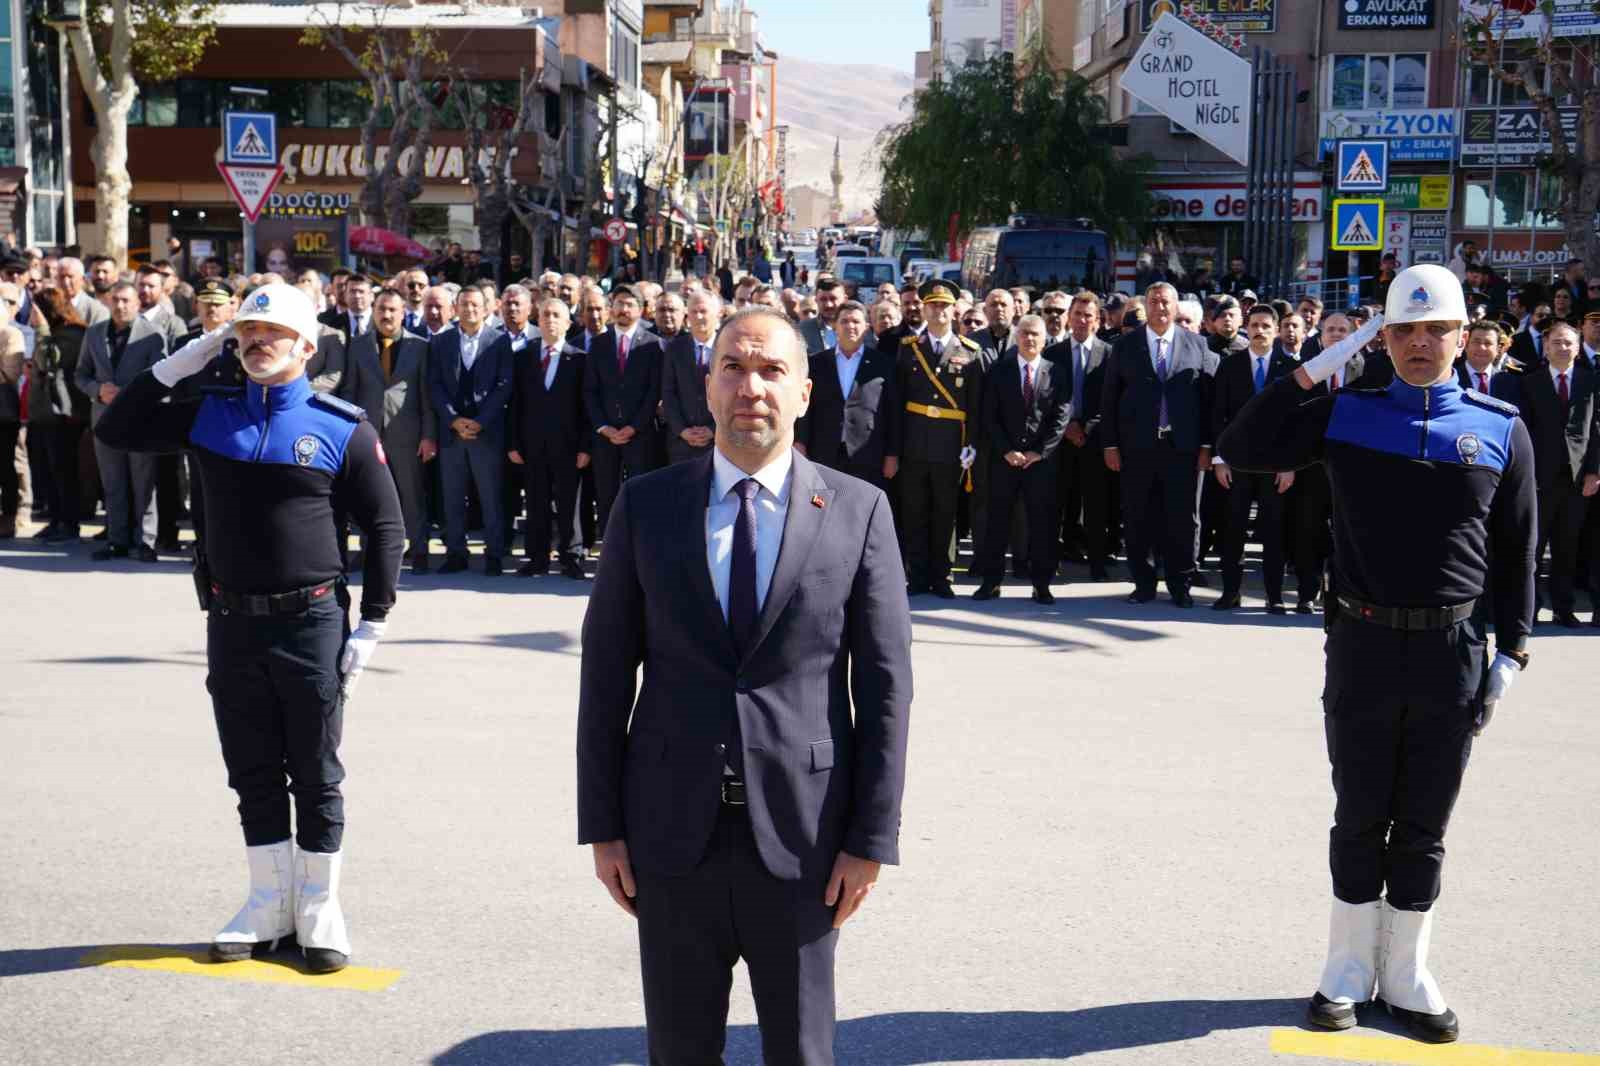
[1468,446]
[305,449]
[1420,300]
[960,383]
[262,300]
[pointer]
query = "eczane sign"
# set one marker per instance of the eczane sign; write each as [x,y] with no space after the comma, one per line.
[1196,83]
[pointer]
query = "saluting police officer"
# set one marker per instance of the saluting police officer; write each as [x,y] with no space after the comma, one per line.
[274,457]
[940,376]
[1433,508]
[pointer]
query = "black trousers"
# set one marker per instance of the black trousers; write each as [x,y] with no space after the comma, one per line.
[550,483]
[169,496]
[1261,490]
[274,684]
[928,494]
[694,928]
[1313,542]
[1213,518]
[10,480]
[1036,486]
[613,465]
[1085,500]
[1561,514]
[1398,709]
[1161,506]
[586,518]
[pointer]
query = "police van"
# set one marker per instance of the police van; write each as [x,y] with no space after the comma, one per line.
[1040,254]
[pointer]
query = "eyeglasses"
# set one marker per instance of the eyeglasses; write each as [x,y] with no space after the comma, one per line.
[972,322]
[416,285]
[1052,310]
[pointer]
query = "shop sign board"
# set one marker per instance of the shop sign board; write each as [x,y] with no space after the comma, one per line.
[1196,82]
[1386,14]
[1430,231]
[1509,135]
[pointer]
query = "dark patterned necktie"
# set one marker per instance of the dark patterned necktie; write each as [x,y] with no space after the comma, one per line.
[742,568]
[1027,387]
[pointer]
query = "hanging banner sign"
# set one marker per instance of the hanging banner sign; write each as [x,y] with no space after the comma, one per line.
[1195,82]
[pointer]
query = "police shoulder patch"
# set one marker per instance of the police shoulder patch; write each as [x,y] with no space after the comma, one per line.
[909,338]
[338,406]
[1490,403]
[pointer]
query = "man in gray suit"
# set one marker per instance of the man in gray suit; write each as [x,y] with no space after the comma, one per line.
[1085,492]
[683,380]
[741,802]
[386,375]
[818,332]
[151,287]
[114,353]
[73,281]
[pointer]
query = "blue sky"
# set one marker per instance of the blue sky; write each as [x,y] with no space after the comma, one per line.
[888,33]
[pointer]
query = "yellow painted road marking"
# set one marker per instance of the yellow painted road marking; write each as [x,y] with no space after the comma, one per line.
[269,970]
[1410,1053]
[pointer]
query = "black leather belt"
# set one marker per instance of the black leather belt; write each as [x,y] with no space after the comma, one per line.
[272,603]
[733,792]
[1412,618]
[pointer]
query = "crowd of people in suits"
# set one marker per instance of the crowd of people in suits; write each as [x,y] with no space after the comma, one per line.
[1063,429]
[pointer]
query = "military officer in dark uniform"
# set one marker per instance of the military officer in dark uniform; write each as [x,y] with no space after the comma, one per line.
[1433,509]
[940,377]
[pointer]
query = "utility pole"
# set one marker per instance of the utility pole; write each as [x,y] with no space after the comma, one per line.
[616,174]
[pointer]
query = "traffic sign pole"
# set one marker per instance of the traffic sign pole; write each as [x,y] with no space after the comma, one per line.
[1353,279]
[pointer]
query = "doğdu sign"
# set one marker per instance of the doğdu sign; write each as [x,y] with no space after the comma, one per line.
[1196,83]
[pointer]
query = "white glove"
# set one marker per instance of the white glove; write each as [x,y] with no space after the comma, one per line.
[968,454]
[358,649]
[1502,672]
[1332,359]
[192,357]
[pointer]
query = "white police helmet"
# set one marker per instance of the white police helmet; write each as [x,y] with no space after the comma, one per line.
[282,305]
[1426,292]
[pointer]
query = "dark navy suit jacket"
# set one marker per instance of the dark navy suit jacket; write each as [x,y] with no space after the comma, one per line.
[491,382]
[820,702]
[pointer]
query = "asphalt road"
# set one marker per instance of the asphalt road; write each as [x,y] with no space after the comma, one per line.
[1114,843]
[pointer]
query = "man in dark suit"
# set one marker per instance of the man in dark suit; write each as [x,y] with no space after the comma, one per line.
[855,404]
[550,439]
[818,332]
[683,380]
[115,351]
[1156,431]
[356,318]
[1240,377]
[621,384]
[469,382]
[741,802]
[1558,403]
[386,375]
[1027,400]
[1085,491]
[999,313]
[1484,359]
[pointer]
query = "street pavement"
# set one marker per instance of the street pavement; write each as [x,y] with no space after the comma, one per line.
[1114,844]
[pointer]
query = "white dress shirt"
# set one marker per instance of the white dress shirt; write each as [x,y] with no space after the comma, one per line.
[554,351]
[722,511]
[939,345]
[1555,377]
[469,347]
[847,368]
[1488,373]
[702,351]
[1022,371]
[528,334]
[358,324]
[1150,338]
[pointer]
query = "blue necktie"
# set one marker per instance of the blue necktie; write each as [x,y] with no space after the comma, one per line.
[1261,374]
[742,569]
[1161,376]
[1078,363]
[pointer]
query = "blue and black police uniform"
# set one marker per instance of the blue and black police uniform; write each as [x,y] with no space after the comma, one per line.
[276,464]
[1433,508]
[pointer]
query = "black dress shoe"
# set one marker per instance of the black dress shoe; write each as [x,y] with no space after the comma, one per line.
[987,591]
[171,545]
[1142,595]
[110,551]
[1567,620]
[1276,607]
[1429,1028]
[573,569]
[419,563]
[47,532]
[325,960]
[145,554]
[943,590]
[1324,1013]
[453,564]
[1226,603]
[493,567]
[104,534]
[1072,555]
[1198,580]
[534,568]
[1043,595]
[916,588]
[1304,607]
[1182,599]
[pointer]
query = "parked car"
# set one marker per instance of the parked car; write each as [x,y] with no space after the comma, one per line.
[867,273]
[1039,254]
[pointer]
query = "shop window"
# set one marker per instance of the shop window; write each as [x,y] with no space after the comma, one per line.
[8,109]
[196,103]
[1378,80]
[160,105]
[1501,201]
[347,108]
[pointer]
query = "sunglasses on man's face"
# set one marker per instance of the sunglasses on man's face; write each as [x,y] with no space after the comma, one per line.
[972,322]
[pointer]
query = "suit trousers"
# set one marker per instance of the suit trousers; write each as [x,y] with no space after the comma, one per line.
[405,466]
[478,462]
[694,928]
[129,481]
[58,442]
[928,495]
[1036,488]
[274,684]
[1261,490]
[1398,711]
[1313,541]
[1085,500]
[1562,509]
[613,465]
[1161,506]
[10,478]
[169,496]
[551,485]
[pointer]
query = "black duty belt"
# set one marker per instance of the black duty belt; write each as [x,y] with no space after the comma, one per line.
[733,792]
[272,603]
[1413,618]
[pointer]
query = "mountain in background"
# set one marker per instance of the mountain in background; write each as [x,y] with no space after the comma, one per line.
[853,102]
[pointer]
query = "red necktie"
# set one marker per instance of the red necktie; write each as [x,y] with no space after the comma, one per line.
[1561,390]
[1483,383]
[544,364]
[1027,386]
[622,352]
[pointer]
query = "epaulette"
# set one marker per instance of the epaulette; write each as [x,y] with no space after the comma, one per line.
[970,343]
[1490,402]
[343,407]
[1515,366]
[910,338]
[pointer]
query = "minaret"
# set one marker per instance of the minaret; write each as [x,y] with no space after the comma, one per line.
[836,207]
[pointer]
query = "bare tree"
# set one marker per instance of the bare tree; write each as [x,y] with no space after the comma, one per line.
[494,135]
[116,44]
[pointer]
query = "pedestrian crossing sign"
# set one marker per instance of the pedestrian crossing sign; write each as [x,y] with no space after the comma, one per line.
[250,137]
[1363,166]
[1357,226]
